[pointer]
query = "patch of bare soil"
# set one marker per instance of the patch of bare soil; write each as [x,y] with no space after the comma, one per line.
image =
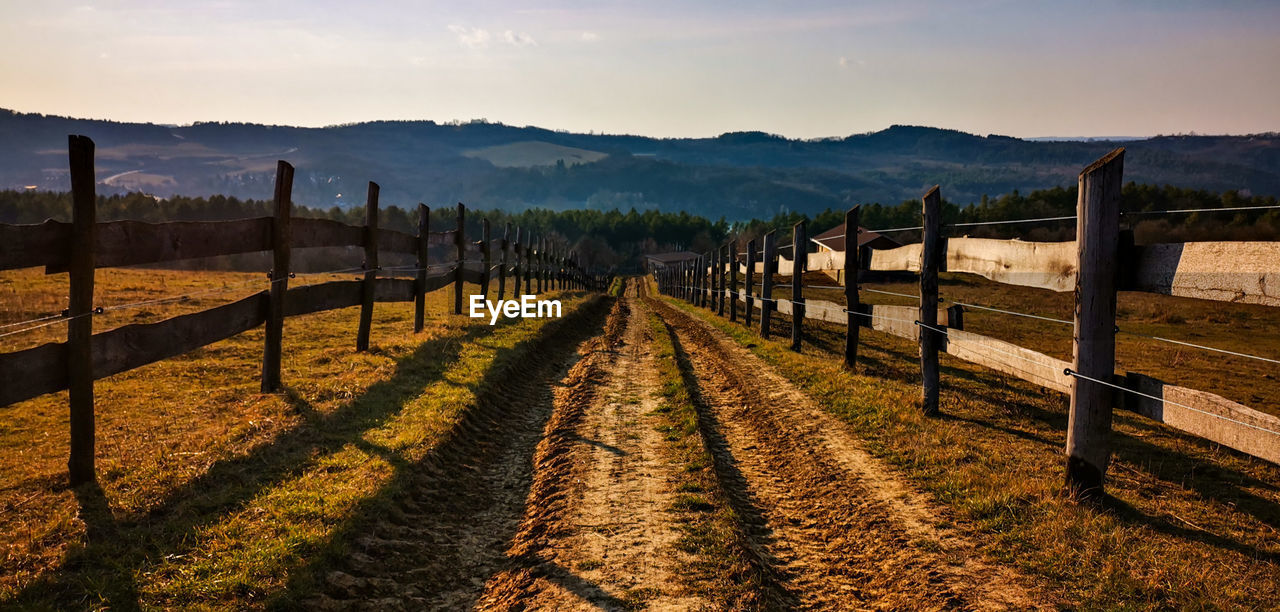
[839,528]
[449,529]
[597,533]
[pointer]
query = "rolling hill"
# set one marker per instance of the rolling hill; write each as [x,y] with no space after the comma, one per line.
[490,165]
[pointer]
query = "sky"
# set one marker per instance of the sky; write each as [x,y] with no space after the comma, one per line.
[666,68]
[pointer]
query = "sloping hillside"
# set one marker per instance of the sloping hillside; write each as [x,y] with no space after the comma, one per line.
[737,175]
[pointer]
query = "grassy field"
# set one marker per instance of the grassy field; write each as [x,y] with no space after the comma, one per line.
[210,492]
[1188,524]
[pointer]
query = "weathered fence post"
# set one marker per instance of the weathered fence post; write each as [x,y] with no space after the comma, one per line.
[712,257]
[280,252]
[749,282]
[531,265]
[460,241]
[541,258]
[369,286]
[713,260]
[517,269]
[708,282]
[502,271]
[770,259]
[720,278]
[799,262]
[1098,243]
[931,256]
[420,288]
[733,280]
[684,281]
[486,256]
[84,203]
[852,302]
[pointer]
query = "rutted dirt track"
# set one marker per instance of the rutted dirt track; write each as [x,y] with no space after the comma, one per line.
[555,493]
[843,532]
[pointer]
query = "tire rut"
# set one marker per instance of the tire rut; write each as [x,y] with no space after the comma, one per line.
[838,529]
[450,527]
[596,532]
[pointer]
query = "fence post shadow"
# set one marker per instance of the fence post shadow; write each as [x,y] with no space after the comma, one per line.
[130,543]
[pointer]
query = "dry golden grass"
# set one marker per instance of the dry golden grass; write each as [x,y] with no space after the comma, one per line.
[1187,525]
[209,491]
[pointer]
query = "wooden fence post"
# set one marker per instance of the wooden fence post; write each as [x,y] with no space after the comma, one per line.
[540,256]
[853,305]
[799,261]
[420,288]
[713,258]
[517,269]
[502,271]
[720,279]
[531,265]
[749,282]
[84,202]
[931,256]
[460,241]
[486,256]
[770,259]
[733,281]
[1098,242]
[680,280]
[280,252]
[708,302]
[368,287]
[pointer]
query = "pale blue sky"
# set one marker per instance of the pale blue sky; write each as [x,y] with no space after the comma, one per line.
[659,68]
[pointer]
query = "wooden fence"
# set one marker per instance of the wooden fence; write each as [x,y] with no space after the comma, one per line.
[1102,261]
[83,245]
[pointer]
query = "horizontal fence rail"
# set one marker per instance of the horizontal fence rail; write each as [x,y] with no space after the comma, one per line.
[83,245]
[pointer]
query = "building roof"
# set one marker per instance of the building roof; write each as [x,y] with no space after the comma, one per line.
[671,258]
[834,239]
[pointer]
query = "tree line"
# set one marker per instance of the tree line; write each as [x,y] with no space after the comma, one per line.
[615,238]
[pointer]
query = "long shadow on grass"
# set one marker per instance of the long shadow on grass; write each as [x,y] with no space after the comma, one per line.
[104,568]
[750,516]
[437,497]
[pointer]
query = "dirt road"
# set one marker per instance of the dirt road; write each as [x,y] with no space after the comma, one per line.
[565,501]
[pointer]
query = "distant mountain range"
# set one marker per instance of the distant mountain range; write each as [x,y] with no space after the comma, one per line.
[488,165]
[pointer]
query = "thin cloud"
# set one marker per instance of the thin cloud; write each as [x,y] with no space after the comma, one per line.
[590,37]
[473,38]
[518,39]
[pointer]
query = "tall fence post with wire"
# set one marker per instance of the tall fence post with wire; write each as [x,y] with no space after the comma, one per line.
[766,282]
[748,284]
[368,288]
[799,260]
[280,253]
[932,257]
[420,287]
[733,281]
[460,241]
[502,270]
[1098,242]
[79,351]
[486,256]
[851,298]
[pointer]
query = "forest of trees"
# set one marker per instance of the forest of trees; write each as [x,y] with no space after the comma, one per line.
[616,238]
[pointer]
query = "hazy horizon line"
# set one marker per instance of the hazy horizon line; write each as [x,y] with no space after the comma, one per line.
[487,121]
